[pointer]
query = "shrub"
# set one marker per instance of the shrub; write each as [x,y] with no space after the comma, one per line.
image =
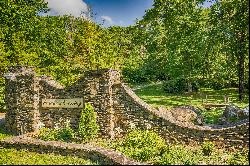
[207,148]
[239,158]
[217,85]
[178,155]
[88,128]
[47,134]
[142,145]
[175,86]
[65,133]
[179,85]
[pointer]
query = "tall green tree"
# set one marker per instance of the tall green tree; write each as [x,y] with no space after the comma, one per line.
[231,21]
[175,31]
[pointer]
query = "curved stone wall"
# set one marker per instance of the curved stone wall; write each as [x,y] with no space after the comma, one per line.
[130,109]
[86,151]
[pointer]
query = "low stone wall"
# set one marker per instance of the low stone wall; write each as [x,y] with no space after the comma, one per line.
[102,155]
[132,111]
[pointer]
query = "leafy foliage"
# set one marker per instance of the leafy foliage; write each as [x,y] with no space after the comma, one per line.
[154,150]
[180,85]
[207,148]
[142,145]
[88,127]
[64,134]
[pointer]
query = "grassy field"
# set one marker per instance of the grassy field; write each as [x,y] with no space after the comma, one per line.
[154,95]
[23,157]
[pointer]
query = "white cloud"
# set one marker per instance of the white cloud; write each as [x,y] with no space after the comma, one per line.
[121,22]
[108,19]
[67,7]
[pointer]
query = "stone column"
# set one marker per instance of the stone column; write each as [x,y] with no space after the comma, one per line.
[98,92]
[22,100]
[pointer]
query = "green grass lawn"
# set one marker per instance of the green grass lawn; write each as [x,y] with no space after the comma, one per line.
[3,133]
[153,94]
[23,157]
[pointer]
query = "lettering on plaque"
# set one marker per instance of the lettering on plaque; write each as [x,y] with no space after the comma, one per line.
[63,103]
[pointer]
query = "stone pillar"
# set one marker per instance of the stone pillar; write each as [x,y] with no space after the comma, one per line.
[112,78]
[99,93]
[22,100]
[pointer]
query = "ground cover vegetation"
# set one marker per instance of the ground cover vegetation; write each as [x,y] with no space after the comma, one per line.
[150,147]
[11,156]
[87,129]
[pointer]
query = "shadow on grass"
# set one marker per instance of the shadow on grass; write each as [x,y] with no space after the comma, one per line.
[3,132]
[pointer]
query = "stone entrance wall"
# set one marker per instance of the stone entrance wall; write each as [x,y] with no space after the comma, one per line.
[118,109]
[25,92]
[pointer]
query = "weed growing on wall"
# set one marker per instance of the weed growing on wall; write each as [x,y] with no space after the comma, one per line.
[87,128]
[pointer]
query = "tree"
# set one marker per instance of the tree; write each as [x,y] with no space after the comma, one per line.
[231,21]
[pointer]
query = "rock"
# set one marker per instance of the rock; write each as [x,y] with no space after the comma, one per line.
[232,112]
[199,120]
[244,113]
[187,115]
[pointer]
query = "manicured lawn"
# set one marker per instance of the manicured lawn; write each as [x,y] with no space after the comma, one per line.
[3,133]
[155,96]
[24,157]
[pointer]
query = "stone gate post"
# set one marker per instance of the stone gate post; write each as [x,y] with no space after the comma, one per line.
[22,100]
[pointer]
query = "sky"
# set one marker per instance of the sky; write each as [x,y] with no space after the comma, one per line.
[108,12]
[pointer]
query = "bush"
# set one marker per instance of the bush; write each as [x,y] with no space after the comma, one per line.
[217,85]
[63,134]
[179,85]
[207,148]
[239,158]
[178,155]
[142,145]
[175,86]
[135,76]
[47,134]
[88,128]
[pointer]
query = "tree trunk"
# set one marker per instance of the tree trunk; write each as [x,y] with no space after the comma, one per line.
[241,68]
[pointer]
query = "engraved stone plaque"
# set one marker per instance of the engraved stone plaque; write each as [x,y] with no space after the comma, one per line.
[63,103]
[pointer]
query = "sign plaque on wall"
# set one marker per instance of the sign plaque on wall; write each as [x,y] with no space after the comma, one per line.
[63,103]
